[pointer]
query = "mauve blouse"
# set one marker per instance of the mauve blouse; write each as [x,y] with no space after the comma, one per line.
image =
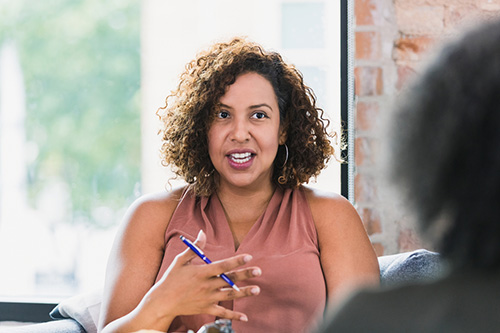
[283,243]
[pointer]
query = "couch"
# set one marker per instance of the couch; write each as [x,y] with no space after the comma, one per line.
[79,314]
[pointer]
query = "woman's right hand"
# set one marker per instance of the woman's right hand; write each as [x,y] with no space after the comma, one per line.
[187,289]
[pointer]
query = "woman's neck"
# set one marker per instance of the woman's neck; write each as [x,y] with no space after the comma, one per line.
[243,208]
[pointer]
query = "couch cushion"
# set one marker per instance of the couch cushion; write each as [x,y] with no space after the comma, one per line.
[416,266]
[396,269]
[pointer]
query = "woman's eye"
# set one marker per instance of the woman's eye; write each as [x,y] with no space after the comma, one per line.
[223,114]
[259,115]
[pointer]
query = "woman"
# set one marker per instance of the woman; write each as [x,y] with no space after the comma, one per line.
[244,132]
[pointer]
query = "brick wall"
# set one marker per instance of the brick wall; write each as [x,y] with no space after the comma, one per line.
[392,39]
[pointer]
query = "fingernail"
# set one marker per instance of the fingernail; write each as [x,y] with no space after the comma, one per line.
[247,258]
[255,290]
[243,318]
[256,272]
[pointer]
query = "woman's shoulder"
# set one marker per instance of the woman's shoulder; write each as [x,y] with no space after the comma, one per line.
[326,204]
[322,198]
[161,199]
[158,206]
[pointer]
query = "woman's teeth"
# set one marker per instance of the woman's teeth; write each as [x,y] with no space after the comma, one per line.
[240,157]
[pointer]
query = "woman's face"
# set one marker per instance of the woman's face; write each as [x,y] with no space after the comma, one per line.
[244,137]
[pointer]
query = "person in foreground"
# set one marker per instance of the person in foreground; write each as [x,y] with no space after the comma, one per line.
[445,148]
[245,133]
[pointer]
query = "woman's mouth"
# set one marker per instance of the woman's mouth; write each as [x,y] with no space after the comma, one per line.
[240,161]
[240,158]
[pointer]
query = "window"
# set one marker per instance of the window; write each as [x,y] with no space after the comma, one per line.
[80,83]
[69,140]
[306,33]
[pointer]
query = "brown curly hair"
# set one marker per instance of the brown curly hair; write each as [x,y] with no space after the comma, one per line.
[190,109]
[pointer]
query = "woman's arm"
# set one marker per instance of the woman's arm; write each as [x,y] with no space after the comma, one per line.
[132,301]
[347,256]
[136,254]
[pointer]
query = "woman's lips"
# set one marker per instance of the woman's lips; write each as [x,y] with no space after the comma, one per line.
[240,160]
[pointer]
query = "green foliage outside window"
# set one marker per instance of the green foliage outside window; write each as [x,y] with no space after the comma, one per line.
[81,68]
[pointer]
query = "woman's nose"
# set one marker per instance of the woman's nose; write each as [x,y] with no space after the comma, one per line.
[240,131]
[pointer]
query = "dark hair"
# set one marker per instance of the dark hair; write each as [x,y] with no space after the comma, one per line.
[191,108]
[446,149]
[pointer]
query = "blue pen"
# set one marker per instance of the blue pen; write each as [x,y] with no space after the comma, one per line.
[203,257]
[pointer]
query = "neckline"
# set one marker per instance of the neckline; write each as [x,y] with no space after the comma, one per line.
[228,234]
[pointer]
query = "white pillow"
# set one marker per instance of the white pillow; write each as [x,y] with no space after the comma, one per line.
[83,308]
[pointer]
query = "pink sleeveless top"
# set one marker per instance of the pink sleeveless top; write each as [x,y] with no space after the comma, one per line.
[283,243]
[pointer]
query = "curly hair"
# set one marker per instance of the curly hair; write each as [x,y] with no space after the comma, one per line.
[190,110]
[446,149]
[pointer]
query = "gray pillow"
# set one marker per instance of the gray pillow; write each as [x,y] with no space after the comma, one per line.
[416,266]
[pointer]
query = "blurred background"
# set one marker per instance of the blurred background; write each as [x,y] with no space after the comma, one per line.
[80,83]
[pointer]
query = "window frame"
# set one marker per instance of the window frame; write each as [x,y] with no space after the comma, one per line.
[38,311]
[25,311]
[347,97]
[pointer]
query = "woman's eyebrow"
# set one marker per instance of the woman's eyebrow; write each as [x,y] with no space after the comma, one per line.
[224,106]
[257,106]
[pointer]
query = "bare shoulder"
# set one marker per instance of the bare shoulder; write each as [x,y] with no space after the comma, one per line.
[154,209]
[321,197]
[162,201]
[346,253]
[140,235]
[325,205]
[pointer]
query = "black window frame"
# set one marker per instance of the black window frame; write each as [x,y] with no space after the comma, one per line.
[26,311]
[347,98]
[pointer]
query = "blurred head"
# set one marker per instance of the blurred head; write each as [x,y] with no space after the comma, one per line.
[446,149]
[192,108]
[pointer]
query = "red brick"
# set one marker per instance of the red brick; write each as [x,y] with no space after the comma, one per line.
[367,115]
[364,11]
[379,249]
[417,19]
[365,151]
[404,74]
[489,5]
[454,15]
[371,220]
[368,46]
[408,240]
[364,189]
[368,81]
[412,48]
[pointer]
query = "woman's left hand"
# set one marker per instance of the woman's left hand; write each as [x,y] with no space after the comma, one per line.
[187,289]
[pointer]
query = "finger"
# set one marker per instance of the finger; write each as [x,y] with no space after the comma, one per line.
[239,275]
[222,312]
[227,294]
[201,240]
[228,264]
[244,273]
[187,255]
